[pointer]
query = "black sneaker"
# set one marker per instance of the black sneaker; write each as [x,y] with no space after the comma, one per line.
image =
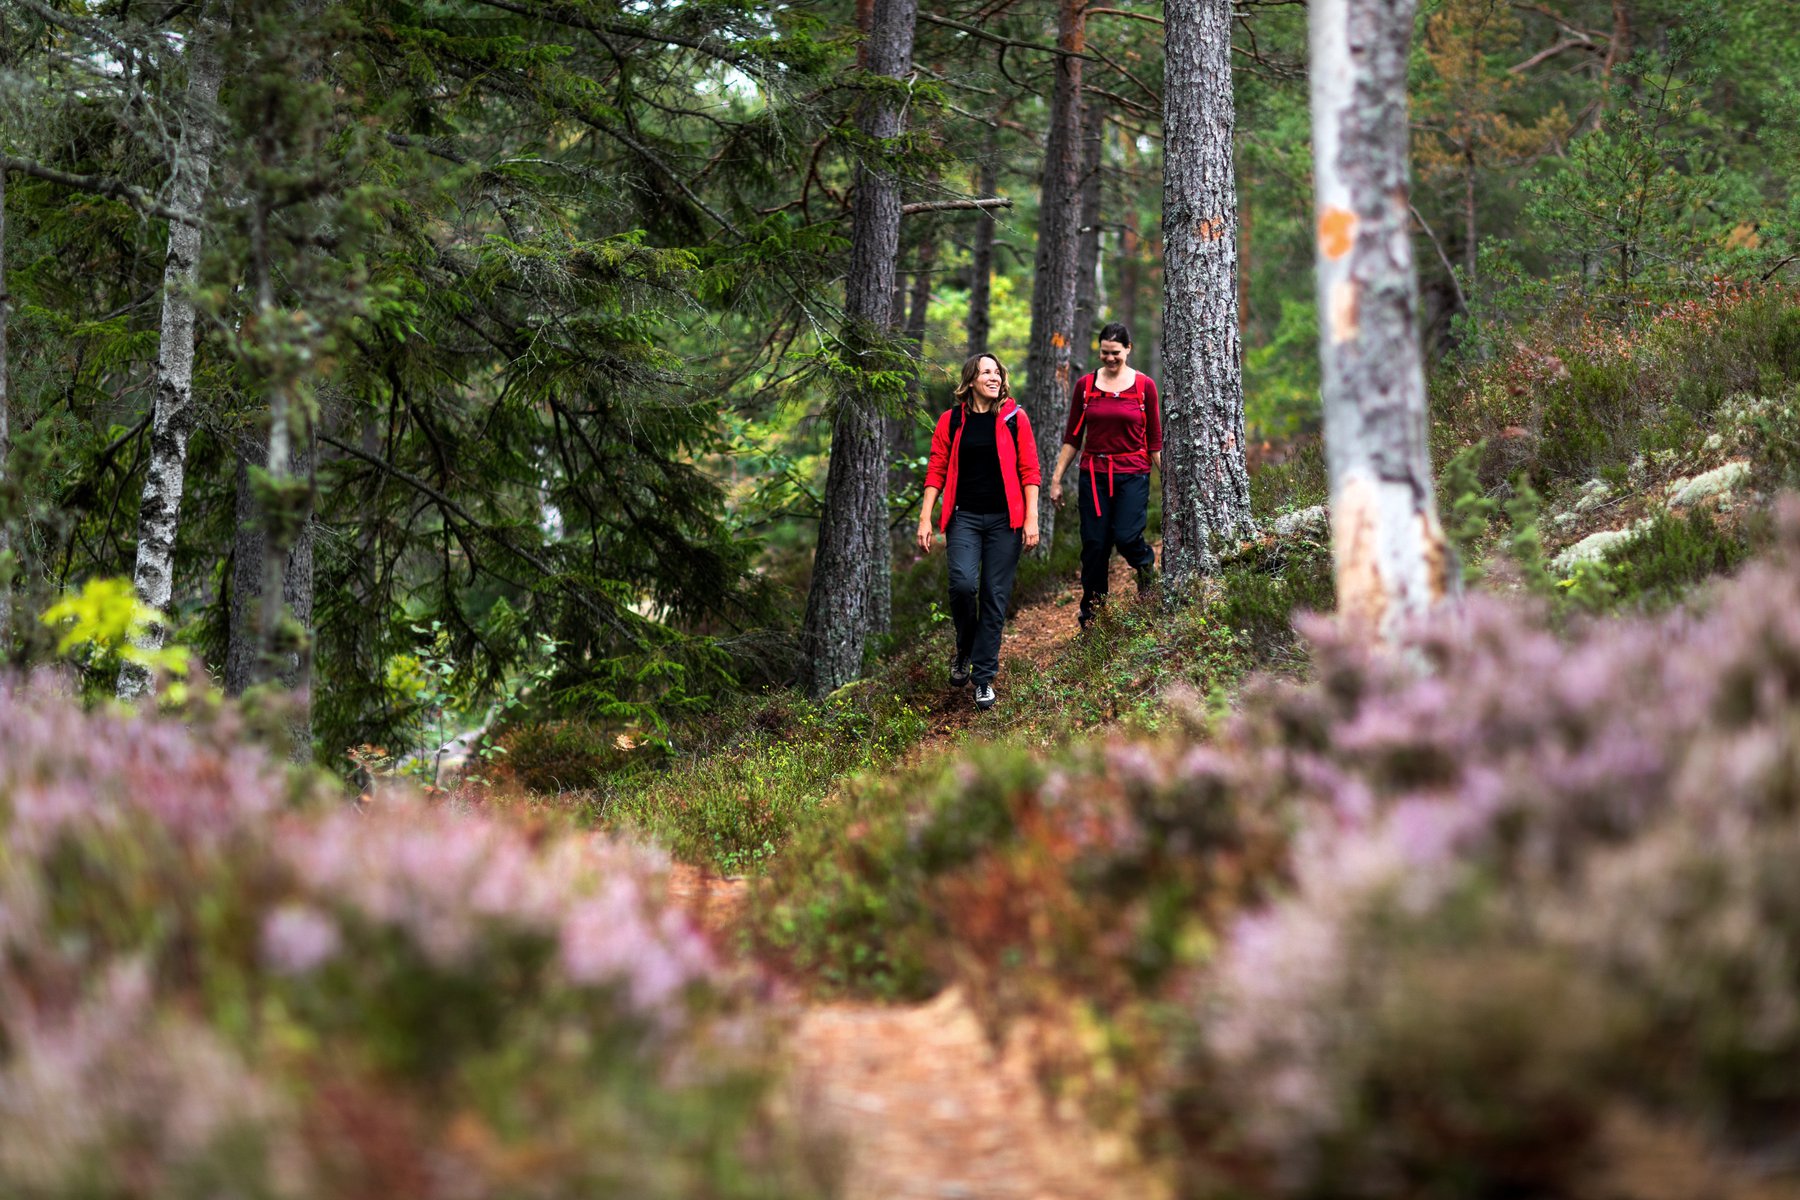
[1146,579]
[959,671]
[984,696]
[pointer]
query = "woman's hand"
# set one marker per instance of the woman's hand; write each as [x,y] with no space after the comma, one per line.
[1055,492]
[1032,536]
[926,536]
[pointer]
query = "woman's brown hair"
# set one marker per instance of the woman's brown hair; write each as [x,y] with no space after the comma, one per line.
[971,367]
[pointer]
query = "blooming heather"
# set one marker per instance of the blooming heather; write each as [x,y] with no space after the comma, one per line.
[182,925]
[1623,797]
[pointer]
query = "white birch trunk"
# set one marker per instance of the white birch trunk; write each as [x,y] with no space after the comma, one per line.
[1388,548]
[1206,484]
[159,512]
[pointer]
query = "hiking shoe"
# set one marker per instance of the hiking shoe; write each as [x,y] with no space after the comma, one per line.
[984,696]
[959,671]
[1146,579]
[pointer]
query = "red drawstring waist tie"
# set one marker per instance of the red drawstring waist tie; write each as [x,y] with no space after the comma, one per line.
[1094,480]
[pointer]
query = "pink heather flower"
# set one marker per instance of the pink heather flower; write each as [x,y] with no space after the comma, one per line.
[297,939]
[609,939]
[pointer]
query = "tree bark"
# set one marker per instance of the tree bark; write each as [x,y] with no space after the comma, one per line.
[1087,248]
[1206,485]
[159,512]
[1130,275]
[902,429]
[981,258]
[841,605]
[244,649]
[1388,548]
[1048,376]
[1155,286]
[245,661]
[5,440]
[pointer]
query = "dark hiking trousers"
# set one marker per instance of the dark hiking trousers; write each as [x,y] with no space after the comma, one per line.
[1114,512]
[984,557]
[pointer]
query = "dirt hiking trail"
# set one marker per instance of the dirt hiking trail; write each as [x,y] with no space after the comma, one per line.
[921,1103]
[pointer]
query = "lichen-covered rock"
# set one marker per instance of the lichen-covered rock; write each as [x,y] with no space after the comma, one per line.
[1316,519]
[1594,493]
[1595,546]
[1683,493]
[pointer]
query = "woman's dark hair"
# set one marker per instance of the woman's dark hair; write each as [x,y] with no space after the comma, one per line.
[971,367]
[1115,331]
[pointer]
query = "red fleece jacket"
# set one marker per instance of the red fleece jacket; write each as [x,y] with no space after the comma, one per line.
[1018,460]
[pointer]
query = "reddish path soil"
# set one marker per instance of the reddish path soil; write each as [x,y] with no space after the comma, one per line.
[921,1103]
[1037,633]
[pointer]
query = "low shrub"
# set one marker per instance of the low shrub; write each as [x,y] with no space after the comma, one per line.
[1672,555]
[759,770]
[1583,394]
[1586,827]
[217,981]
[1438,921]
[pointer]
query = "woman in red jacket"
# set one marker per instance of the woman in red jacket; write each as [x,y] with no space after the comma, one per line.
[984,462]
[1115,420]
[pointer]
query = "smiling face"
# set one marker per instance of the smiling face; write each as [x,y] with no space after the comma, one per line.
[1113,356]
[988,379]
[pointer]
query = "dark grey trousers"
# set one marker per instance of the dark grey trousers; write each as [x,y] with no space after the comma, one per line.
[1114,514]
[984,557]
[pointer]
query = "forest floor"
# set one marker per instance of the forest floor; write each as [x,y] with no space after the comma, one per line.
[917,1098]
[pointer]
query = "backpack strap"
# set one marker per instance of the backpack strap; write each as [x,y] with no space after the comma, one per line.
[956,419]
[1087,383]
[1143,412]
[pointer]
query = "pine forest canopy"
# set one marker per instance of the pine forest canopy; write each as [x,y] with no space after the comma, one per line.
[519,327]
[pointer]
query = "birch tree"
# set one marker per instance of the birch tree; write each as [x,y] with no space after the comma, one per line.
[853,543]
[1388,549]
[1048,358]
[1206,485]
[159,513]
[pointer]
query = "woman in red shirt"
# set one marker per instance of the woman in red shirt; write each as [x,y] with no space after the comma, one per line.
[1115,421]
[984,462]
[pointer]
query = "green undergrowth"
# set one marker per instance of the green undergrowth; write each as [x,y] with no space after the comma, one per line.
[1586,395]
[759,769]
[735,786]
[858,904]
[1673,555]
[1593,421]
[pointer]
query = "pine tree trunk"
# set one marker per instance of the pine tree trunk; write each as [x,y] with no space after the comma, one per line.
[842,603]
[5,439]
[1206,486]
[1155,284]
[1246,240]
[1131,275]
[1390,559]
[903,428]
[1087,248]
[159,512]
[244,660]
[6,445]
[981,259]
[1048,377]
